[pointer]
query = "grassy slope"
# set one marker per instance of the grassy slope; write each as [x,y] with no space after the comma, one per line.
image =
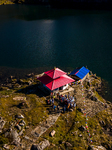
[66,126]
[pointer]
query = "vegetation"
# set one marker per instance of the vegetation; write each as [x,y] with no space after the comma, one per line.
[67,127]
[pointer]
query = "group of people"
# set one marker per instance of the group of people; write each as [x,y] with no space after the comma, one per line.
[66,102]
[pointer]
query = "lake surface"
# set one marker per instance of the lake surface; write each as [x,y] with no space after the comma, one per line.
[39,38]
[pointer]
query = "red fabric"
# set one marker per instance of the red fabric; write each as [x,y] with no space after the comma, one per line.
[55,83]
[55,73]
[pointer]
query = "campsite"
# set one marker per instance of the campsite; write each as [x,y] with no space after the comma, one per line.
[55,110]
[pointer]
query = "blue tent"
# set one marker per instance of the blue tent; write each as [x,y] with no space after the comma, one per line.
[81,72]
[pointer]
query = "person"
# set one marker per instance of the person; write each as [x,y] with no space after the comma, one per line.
[68,95]
[52,100]
[68,107]
[59,96]
[54,107]
[48,102]
[71,104]
[64,109]
[54,96]
[58,108]
[74,104]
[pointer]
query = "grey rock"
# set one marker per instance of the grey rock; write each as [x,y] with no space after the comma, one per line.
[6,146]
[18,98]
[80,135]
[2,123]
[15,137]
[102,122]
[27,127]
[26,137]
[29,82]
[19,116]
[93,147]
[21,132]
[41,146]
[82,128]
[34,147]
[71,110]
[18,127]
[68,144]
[52,133]
[21,124]
[6,134]
[22,121]
[80,110]
[94,98]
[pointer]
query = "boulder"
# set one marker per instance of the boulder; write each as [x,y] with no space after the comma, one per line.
[52,133]
[2,123]
[21,124]
[34,147]
[41,146]
[102,122]
[80,110]
[82,128]
[68,144]
[18,127]
[19,116]
[93,147]
[13,137]
[18,98]
[21,132]
[30,75]
[6,146]
[80,135]
[71,109]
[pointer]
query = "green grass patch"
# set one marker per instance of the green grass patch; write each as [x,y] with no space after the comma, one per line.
[99,97]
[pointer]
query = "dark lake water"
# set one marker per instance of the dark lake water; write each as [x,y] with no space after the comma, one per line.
[37,38]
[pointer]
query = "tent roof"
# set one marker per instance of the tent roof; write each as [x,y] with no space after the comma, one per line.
[55,83]
[81,72]
[55,73]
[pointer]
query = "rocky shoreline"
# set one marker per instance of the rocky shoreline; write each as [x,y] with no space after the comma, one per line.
[86,4]
[25,122]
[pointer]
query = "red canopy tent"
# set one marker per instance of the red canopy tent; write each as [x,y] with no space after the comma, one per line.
[55,78]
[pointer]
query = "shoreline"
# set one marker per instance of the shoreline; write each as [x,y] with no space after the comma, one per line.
[7,73]
[65,5]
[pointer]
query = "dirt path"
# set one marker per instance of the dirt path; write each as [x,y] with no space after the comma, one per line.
[92,107]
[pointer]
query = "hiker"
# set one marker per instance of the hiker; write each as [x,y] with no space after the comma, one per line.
[71,104]
[59,96]
[54,96]
[54,107]
[58,108]
[48,102]
[74,105]
[68,107]
[68,95]
[52,100]
[64,109]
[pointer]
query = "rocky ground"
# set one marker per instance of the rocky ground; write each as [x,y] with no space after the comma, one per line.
[28,123]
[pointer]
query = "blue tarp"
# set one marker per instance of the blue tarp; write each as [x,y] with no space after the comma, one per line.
[81,73]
